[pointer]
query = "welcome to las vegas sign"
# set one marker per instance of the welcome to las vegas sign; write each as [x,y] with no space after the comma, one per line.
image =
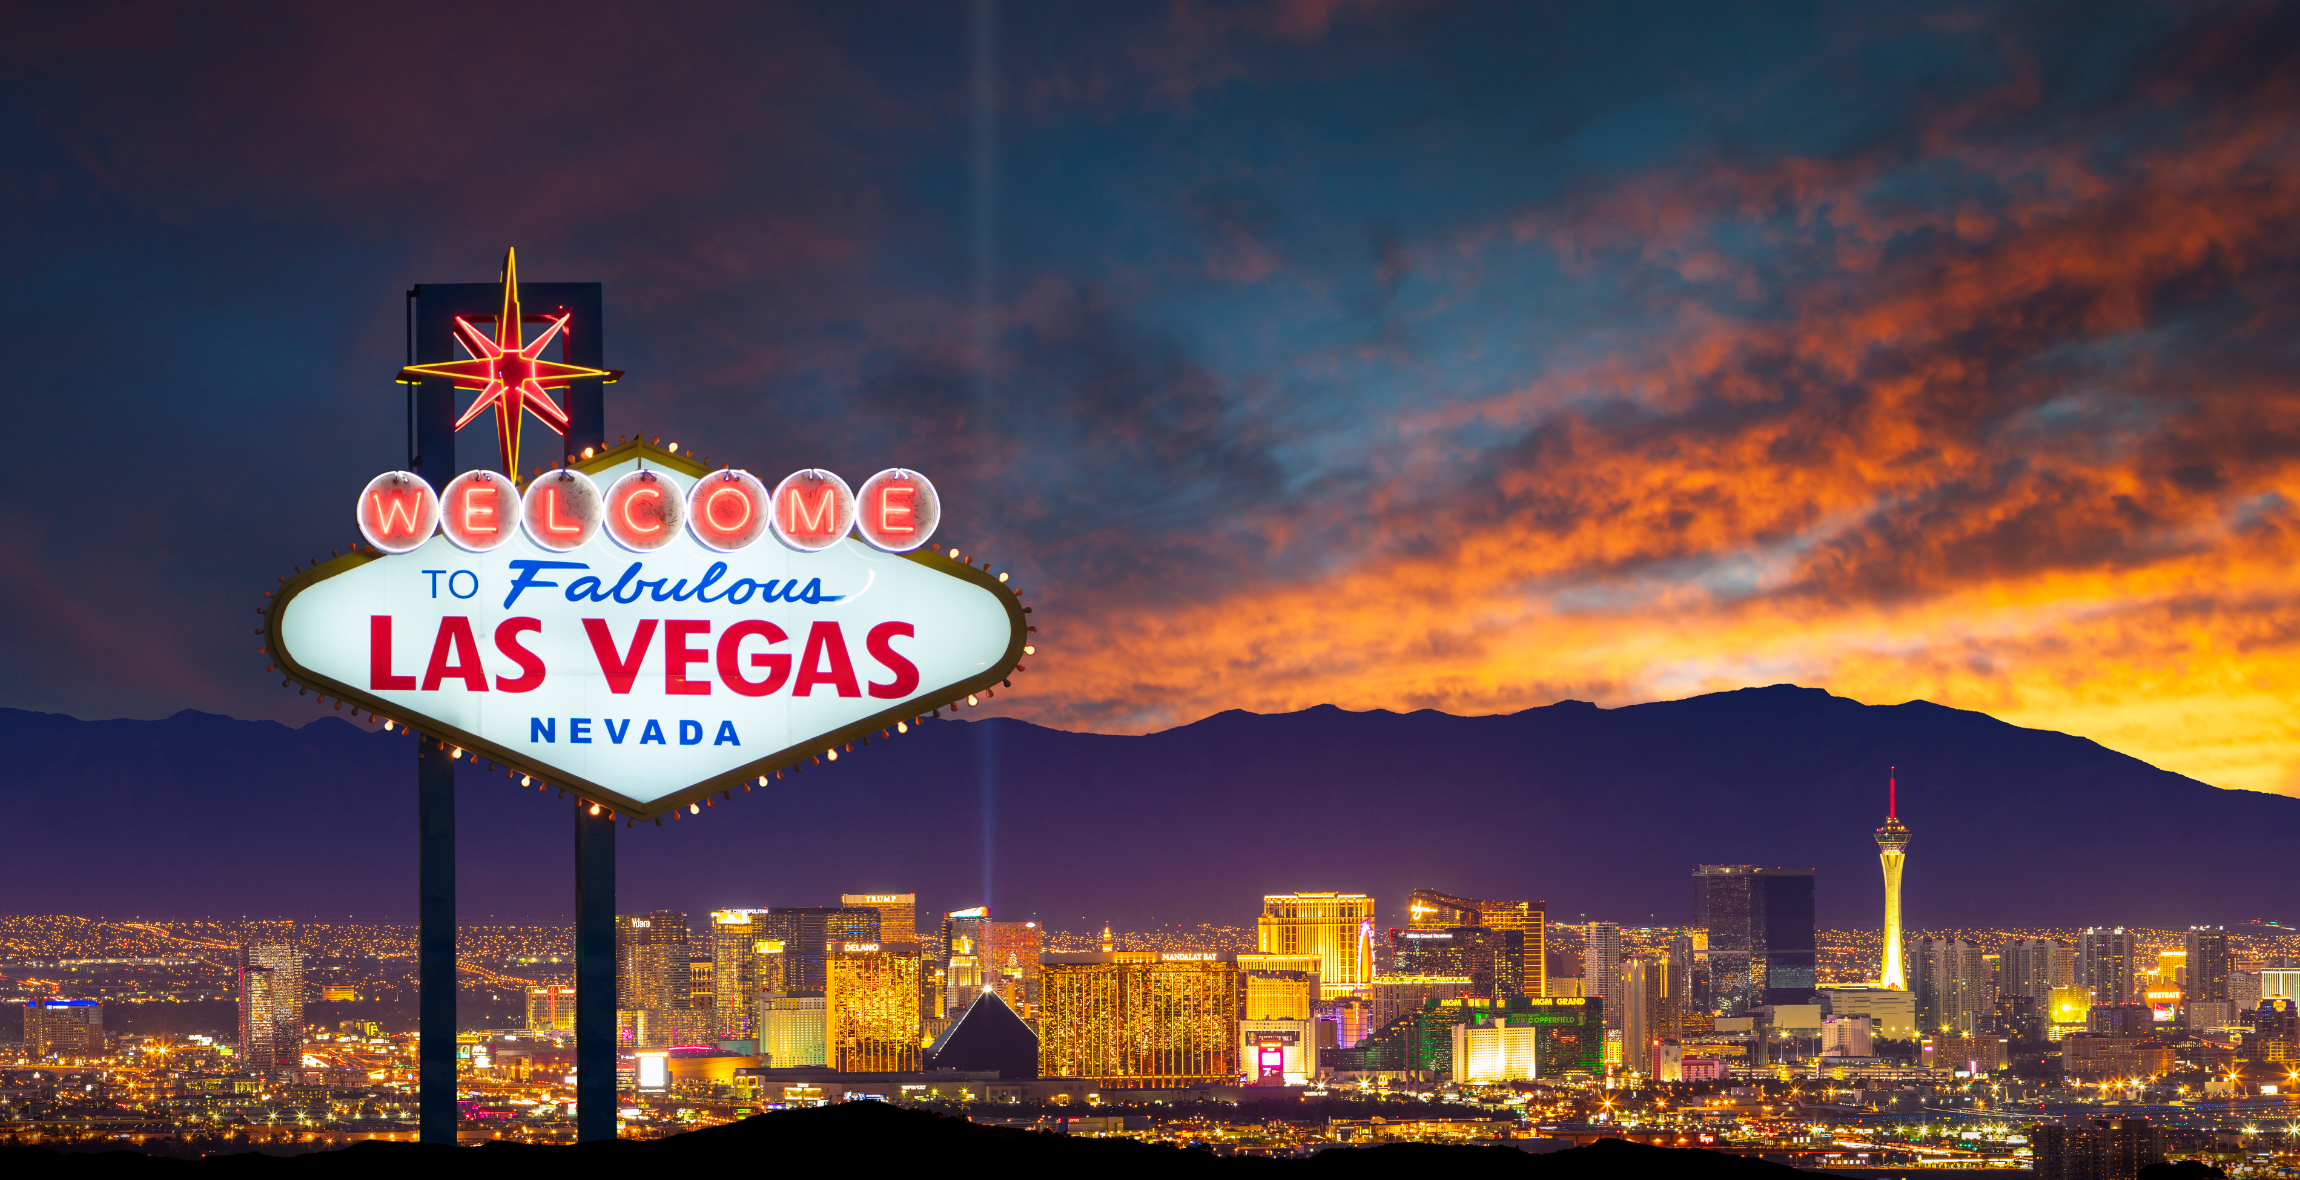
[644,631]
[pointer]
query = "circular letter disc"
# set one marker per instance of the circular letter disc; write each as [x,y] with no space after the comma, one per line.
[645,511]
[397,511]
[479,511]
[897,510]
[562,510]
[813,510]
[727,510]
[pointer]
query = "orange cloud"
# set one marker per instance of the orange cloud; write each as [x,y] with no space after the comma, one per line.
[2037,455]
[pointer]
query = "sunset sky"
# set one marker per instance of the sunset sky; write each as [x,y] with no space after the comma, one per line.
[1394,356]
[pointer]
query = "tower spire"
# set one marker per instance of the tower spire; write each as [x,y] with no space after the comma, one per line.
[1892,853]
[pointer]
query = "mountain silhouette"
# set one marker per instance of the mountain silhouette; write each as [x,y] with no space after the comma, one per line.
[1600,812]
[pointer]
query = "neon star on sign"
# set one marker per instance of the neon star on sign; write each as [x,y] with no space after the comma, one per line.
[512,376]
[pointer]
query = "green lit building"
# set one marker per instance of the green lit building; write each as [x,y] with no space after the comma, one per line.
[1571,1036]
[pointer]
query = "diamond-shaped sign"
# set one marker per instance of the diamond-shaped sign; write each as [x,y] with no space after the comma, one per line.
[646,678]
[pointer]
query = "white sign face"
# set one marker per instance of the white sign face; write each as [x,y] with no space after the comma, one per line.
[648,676]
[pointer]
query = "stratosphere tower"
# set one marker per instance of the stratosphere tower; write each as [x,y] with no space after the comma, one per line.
[1892,849]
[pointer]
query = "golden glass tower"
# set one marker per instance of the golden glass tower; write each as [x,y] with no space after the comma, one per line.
[1336,927]
[1892,849]
[870,1002]
[1140,1019]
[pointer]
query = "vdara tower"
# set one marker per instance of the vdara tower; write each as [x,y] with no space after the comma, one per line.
[1892,849]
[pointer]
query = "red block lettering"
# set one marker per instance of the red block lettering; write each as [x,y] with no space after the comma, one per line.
[777,664]
[455,639]
[825,640]
[530,665]
[379,655]
[619,670]
[677,655]
[881,644]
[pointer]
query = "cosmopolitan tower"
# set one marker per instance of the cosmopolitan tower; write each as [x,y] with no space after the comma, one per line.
[1892,849]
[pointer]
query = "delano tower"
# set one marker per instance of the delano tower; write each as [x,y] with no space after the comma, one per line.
[1892,849]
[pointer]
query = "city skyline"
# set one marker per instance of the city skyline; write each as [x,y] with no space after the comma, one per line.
[1259,575]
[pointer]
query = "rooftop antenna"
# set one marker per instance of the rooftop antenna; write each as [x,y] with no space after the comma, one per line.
[1892,793]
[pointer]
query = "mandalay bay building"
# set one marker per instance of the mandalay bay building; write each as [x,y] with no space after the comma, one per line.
[1140,1020]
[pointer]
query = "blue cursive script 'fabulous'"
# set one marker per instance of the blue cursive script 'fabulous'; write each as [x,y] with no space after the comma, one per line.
[631,587]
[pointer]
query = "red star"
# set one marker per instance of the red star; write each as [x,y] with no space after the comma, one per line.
[509,375]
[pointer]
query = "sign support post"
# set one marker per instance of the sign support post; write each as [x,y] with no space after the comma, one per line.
[431,454]
[595,1097]
[431,445]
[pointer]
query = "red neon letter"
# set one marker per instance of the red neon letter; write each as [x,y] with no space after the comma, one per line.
[399,515]
[677,655]
[551,515]
[825,639]
[814,521]
[711,508]
[882,650]
[777,664]
[530,665]
[633,525]
[471,510]
[888,509]
[379,655]
[455,639]
[619,670]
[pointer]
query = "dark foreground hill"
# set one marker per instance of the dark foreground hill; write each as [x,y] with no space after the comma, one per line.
[874,1139]
[1599,811]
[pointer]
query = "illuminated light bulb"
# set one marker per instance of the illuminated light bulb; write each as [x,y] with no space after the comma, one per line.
[834,755]
[594,809]
[694,809]
[1029,650]
[902,727]
[527,780]
[588,452]
[972,699]
[458,752]
[672,447]
[953,557]
[1002,577]
[387,727]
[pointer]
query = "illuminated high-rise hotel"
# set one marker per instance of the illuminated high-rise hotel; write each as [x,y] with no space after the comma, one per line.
[870,1003]
[1336,927]
[1892,849]
[897,913]
[1140,1019]
[271,1007]
[1430,910]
